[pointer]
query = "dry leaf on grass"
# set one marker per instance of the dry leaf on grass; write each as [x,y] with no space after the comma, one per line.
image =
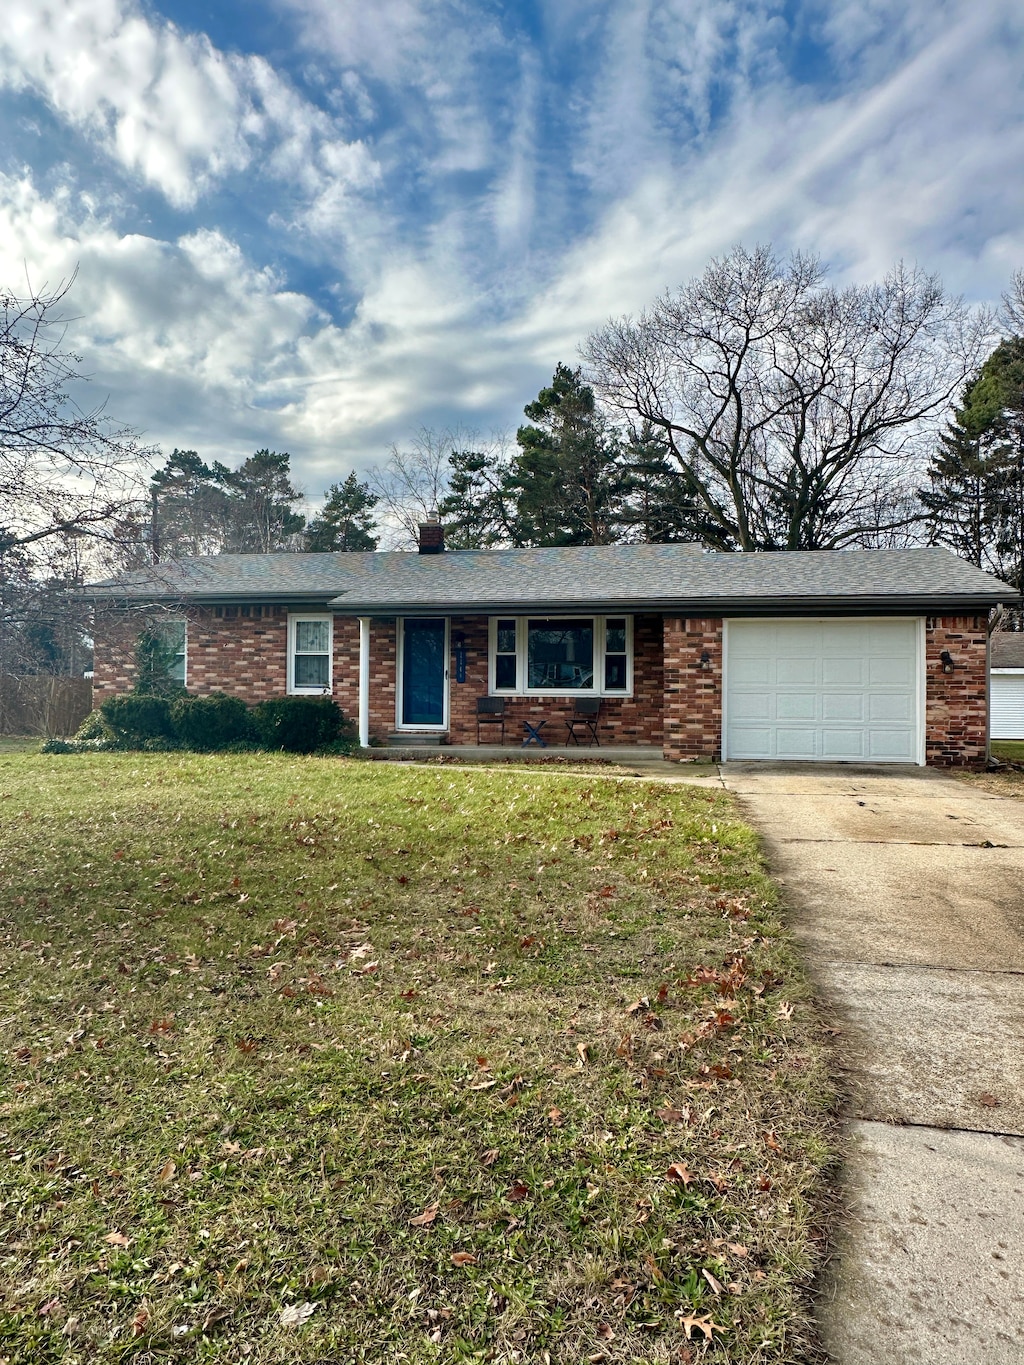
[424,1219]
[295,1314]
[462,1258]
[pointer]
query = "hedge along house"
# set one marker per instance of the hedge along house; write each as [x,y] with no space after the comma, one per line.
[857,655]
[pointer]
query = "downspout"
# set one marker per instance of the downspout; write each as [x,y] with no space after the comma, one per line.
[364,682]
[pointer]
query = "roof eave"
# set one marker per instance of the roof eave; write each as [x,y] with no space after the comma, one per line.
[692,606]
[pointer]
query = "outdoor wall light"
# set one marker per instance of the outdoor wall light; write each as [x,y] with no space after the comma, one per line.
[946,660]
[705,660]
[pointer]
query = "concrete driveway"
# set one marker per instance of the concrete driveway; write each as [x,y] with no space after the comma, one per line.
[907,889]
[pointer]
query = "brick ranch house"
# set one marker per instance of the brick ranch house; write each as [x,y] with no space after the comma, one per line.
[856,655]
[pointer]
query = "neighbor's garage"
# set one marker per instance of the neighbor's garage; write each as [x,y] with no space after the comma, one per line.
[826,689]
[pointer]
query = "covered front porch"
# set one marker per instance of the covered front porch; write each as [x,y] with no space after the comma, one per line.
[445,681]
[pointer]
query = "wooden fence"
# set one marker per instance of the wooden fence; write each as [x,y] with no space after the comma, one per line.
[40,705]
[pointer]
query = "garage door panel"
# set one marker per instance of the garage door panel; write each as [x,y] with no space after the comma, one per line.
[844,671]
[894,706]
[755,741]
[794,742]
[753,706]
[894,672]
[796,706]
[843,744]
[797,670]
[824,689]
[749,670]
[843,706]
[890,745]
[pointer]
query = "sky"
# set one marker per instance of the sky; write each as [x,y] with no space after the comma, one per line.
[321,225]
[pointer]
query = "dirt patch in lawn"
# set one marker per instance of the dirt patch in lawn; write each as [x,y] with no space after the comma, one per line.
[310,1060]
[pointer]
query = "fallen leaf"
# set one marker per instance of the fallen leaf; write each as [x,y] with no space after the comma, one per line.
[678,1172]
[715,1284]
[166,1172]
[704,1325]
[517,1193]
[671,1115]
[490,1157]
[424,1219]
[989,1101]
[461,1258]
[583,1052]
[116,1239]
[555,1117]
[295,1314]
[770,1140]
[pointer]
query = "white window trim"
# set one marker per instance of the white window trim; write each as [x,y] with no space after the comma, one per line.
[293,622]
[600,635]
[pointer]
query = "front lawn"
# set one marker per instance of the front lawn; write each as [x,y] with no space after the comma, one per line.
[307,1060]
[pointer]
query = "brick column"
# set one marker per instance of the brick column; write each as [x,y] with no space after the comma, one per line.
[956,704]
[693,695]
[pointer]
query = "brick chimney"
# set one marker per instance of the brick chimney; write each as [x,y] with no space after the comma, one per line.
[431,535]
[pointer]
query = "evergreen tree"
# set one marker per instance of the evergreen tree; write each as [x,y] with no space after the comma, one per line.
[190,507]
[261,504]
[480,507]
[568,474]
[975,501]
[346,523]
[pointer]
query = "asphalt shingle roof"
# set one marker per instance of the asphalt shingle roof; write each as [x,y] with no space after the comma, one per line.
[1007,649]
[635,577]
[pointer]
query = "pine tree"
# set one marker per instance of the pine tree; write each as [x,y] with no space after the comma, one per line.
[346,523]
[261,504]
[568,475]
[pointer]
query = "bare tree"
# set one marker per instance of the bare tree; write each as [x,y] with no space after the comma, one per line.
[413,482]
[1011,315]
[794,410]
[64,470]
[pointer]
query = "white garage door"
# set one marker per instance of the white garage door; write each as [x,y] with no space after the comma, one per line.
[1006,711]
[840,690]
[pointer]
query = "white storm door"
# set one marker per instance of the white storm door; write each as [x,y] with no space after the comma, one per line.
[826,690]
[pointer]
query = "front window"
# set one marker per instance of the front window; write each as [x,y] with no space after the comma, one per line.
[173,636]
[309,654]
[562,654]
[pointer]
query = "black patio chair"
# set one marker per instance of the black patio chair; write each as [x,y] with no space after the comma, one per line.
[584,716]
[490,711]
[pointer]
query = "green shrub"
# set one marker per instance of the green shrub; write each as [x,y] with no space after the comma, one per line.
[58,746]
[135,719]
[211,722]
[298,724]
[95,726]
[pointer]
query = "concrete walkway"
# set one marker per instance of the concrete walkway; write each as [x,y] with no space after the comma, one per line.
[907,891]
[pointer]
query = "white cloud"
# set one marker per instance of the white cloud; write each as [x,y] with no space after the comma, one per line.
[458,315]
[167,105]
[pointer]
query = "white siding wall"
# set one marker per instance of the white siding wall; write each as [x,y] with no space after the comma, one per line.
[1006,711]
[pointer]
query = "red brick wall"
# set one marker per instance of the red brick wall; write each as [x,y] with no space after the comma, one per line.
[635,720]
[956,705]
[114,635]
[693,695]
[675,703]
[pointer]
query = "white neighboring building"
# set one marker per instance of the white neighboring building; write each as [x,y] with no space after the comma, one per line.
[1006,705]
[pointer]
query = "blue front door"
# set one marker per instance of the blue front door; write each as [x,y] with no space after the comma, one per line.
[424,672]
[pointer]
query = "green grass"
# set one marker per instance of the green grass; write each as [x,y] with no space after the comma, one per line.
[1010,750]
[475,1066]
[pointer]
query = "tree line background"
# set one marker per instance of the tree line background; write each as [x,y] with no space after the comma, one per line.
[757,407]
